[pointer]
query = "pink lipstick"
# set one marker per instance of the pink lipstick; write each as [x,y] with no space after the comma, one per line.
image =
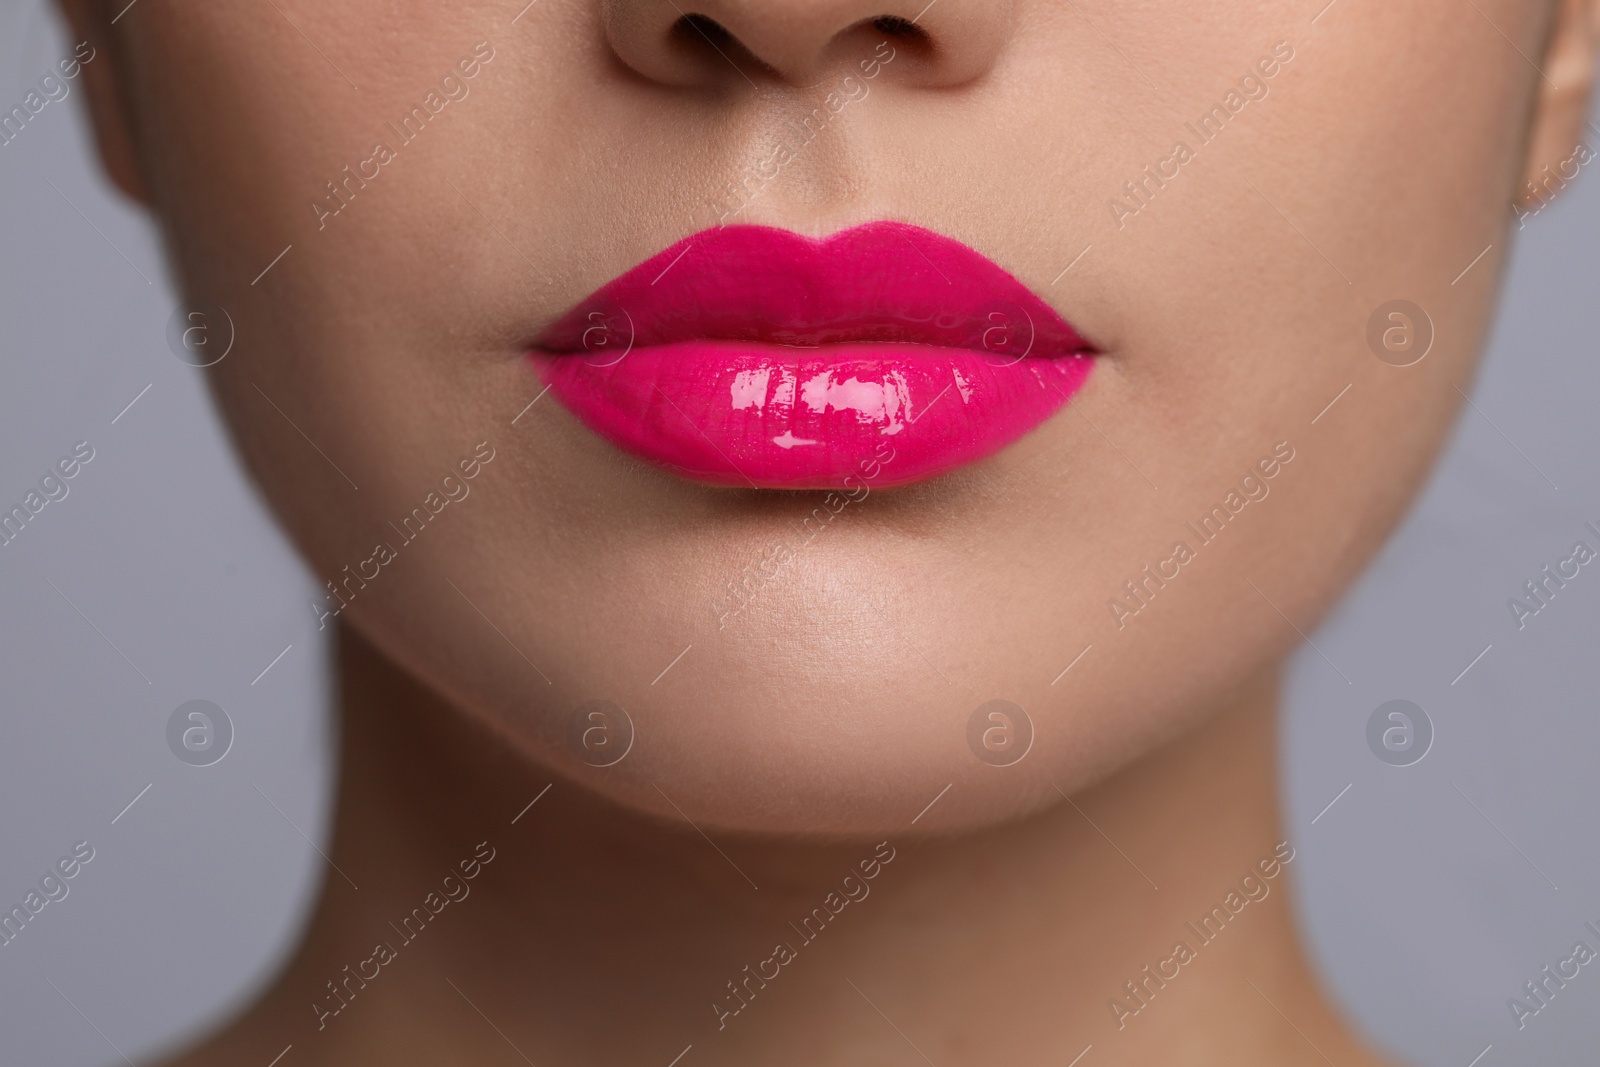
[751,356]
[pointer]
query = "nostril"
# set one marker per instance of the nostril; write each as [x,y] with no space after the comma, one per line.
[718,45]
[701,30]
[900,28]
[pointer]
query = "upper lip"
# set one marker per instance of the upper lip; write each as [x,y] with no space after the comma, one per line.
[881,282]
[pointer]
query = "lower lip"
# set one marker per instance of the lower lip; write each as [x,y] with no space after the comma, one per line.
[835,416]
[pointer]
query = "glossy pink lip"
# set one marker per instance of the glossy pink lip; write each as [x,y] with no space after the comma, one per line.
[751,356]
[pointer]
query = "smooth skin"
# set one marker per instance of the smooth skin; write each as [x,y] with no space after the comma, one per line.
[823,717]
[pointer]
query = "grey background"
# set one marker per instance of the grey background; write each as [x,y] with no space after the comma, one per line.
[1430,893]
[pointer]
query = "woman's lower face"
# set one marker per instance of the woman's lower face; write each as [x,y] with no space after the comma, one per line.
[1104,344]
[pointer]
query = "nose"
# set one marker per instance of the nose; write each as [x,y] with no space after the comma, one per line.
[801,42]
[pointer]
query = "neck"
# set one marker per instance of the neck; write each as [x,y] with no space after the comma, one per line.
[575,932]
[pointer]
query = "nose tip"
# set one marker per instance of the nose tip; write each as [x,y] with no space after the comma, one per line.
[800,42]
